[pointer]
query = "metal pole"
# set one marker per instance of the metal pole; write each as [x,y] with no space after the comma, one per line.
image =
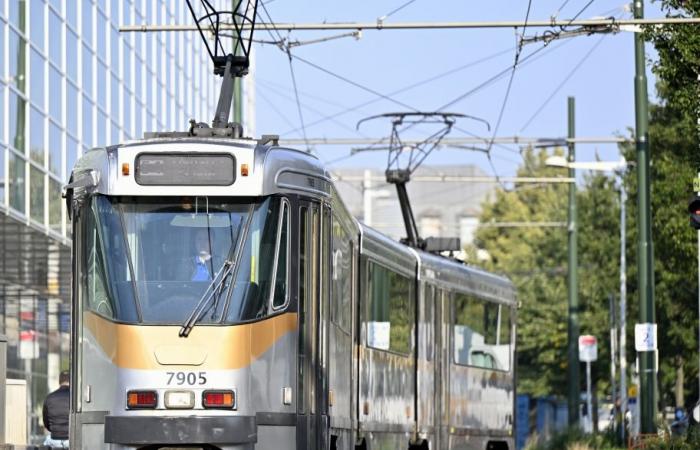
[367,198]
[237,82]
[589,416]
[699,281]
[645,257]
[613,351]
[574,394]
[614,24]
[623,307]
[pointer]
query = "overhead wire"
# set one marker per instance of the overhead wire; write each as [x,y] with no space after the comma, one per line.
[409,87]
[566,79]
[293,77]
[387,15]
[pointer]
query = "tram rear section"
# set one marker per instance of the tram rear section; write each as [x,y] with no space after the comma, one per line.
[225,298]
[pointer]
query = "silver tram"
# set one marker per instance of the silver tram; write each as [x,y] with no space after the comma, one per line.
[224,298]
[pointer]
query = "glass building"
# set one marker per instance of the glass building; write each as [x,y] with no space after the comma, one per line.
[70,81]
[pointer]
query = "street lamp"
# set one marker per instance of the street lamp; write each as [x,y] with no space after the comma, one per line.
[617,167]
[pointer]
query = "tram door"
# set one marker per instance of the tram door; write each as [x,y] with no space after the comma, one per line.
[314,289]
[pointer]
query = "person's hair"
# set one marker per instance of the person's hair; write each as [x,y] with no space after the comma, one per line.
[64,377]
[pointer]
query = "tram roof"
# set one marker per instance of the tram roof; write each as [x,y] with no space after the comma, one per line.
[271,169]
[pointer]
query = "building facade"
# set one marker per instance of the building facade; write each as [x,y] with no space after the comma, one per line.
[446,200]
[70,81]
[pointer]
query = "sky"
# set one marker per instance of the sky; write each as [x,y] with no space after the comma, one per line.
[597,70]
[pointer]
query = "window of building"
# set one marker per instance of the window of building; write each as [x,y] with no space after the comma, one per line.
[16,180]
[36,194]
[17,64]
[55,102]
[390,315]
[481,333]
[72,54]
[55,205]
[36,23]
[36,138]
[72,109]
[16,122]
[55,38]
[36,76]
[55,148]
[2,165]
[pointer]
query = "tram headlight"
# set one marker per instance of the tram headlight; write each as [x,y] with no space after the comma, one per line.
[179,399]
[219,399]
[141,399]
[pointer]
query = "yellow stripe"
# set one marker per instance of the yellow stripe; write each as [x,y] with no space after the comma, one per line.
[211,347]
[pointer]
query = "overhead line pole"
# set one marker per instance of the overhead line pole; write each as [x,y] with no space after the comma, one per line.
[645,255]
[573,369]
[323,26]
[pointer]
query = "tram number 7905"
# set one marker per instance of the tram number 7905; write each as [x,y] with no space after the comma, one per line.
[189,378]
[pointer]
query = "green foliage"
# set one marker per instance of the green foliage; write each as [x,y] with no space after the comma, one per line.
[679,59]
[535,258]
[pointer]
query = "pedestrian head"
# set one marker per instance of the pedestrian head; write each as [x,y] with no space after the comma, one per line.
[64,378]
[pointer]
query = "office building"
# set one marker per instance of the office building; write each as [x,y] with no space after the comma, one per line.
[70,81]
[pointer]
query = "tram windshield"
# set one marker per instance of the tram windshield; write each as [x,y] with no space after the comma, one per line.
[150,260]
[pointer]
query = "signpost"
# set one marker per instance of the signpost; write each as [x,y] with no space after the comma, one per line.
[588,352]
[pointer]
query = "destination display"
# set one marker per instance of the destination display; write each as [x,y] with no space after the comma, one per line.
[155,169]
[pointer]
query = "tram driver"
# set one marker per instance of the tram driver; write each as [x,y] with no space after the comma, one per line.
[202,261]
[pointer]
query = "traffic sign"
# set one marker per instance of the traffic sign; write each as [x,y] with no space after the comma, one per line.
[587,348]
[645,337]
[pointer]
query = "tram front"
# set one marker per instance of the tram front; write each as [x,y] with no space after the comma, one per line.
[182,328]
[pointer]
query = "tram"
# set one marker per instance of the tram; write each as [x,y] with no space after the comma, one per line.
[225,298]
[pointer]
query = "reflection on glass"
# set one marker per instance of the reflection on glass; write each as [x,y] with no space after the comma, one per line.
[72,54]
[86,63]
[16,182]
[102,124]
[87,122]
[87,23]
[71,155]
[115,89]
[18,10]
[36,23]
[101,84]
[390,315]
[36,73]
[55,205]
[55,104]
[36,194]
[102,30]
[3,180]
[55,147]
[72,108]
[18,61]
[55,38]
[72,14]
[481,333]
[36,140]
[16,122]
[2,107]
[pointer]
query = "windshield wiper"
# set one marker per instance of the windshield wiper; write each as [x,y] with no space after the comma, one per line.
[216,287]
[213,291]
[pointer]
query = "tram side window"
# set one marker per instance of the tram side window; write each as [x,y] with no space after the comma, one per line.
[341,288]
[481,333]
[281,277]
[390,315]
[103,283]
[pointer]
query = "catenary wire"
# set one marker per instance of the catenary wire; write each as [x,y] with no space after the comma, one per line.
[386,16]
[561,84]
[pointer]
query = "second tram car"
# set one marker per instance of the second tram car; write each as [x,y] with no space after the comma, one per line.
[225,298]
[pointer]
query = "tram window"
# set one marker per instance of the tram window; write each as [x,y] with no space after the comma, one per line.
[105,264]
[481,333]
[281,276]
[341,279]
[390,316]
